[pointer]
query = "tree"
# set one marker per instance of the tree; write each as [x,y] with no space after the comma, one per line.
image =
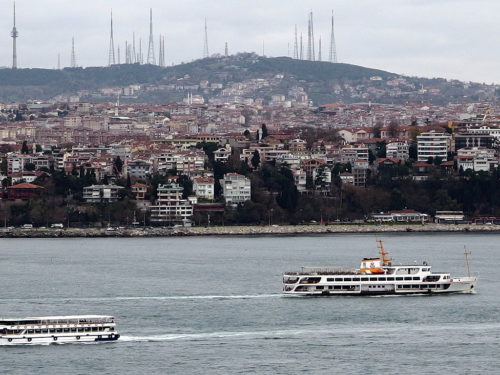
[24,148]
[255,159]
[264,131]
[376,129]
[29,167]
[118,165]
[393,129]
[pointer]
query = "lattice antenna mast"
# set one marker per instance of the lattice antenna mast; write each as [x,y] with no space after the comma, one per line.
[14,34]
[226,51]
[58,61]
[296,46]
[301,57]
[313,49]
[139,56]
[161,55]
[73,56]
[319,49]
[134,55]
[111,57]
[333,49]
[151,48]
[309,50]
[205,45]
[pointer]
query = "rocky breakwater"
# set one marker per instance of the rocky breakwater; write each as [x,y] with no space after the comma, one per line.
[239,230]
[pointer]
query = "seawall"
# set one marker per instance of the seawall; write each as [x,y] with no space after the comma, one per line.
[241,230]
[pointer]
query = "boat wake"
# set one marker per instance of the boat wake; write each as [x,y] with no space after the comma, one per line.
[275,334]
[148,298]
[339,332]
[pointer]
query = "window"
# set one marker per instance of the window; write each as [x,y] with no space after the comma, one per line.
[399,278]
[382,278]
[347,279]
[407,278]
[416,278]
[355,279]
[390,279]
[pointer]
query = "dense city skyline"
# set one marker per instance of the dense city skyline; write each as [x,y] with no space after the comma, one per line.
[450,39]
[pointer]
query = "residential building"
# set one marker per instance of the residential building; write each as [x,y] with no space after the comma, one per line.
[433,144]
[24,191]
[236,188]
[203,187]
[170,207]
[101,193]
[398,150]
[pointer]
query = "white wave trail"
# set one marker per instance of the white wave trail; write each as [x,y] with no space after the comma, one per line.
[365,331]
[212,335]
[127,298]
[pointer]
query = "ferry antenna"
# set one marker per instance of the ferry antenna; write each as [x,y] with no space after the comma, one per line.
[466,254]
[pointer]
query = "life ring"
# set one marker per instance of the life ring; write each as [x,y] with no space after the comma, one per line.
[29,339]
[99,337]
[110,336]
[54,338]
[78,337]
[9,340]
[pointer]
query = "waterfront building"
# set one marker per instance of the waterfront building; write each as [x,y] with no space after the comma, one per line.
[170,207]
[236,188]
[203,187]
[101,193]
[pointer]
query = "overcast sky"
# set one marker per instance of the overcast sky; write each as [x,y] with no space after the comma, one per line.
[428,38]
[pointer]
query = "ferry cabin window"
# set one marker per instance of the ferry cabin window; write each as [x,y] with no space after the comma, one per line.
[347,279]
[382,278]
[407,278]
[355,279]
[365,278]
[339,279]
[416,278]
[399,278]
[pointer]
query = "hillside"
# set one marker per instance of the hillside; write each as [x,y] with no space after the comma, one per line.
[324,82]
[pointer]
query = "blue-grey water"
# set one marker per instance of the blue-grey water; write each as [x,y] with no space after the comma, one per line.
[212,305]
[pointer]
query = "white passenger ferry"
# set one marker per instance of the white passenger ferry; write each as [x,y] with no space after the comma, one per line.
[57,329]
[376,276]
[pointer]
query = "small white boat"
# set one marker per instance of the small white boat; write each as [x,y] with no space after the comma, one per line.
[375,276]
[57,329]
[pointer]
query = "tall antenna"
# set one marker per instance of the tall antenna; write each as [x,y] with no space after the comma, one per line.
[319,49]
[14,34]
[205,45]
[301,57]
[134,55]
[313,51]
[111,57]
[139,56]
[160,53]
[118,50]
[309,49]
[151,48]
[73,57]
[58,61]
[296,46]
[226,51]
[127,61]
[333,49]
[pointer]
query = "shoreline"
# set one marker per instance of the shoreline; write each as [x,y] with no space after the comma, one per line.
[246,230]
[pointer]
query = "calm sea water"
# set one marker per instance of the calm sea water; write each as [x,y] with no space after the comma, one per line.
[212,305]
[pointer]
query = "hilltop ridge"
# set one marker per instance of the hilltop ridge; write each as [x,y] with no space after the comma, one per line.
[324,82]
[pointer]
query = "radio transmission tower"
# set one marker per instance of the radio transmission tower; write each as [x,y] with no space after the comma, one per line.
[73,57]
[313,50]
[111,57]
[319,49]
[301,56]
[333,49]
[296,46]
[226,51]
[205,45]
[14,34]
[151,48]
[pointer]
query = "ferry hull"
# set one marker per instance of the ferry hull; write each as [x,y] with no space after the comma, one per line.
[457,285]
[59,339]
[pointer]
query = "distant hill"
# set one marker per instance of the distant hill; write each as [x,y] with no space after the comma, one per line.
[319,79]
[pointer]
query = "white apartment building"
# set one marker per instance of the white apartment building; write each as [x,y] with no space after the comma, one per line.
[236,188]
[476,159]
[101,193]
[170,207]
[203,187]
[433,144]
[398,150]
